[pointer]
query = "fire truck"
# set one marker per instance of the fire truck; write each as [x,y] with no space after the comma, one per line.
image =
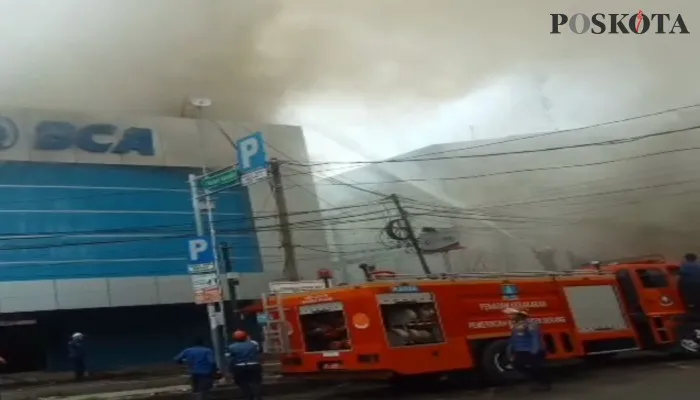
[398,326]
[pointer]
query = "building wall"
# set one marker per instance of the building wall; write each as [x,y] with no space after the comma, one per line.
[57,205]
[86,235]
[549,201]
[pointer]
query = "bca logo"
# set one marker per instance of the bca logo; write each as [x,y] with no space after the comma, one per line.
[9,134]
[635,23]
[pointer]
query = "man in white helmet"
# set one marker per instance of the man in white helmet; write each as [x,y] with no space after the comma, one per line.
[527,349]
[76,354]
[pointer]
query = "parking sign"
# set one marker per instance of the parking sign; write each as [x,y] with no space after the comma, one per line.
[252,154]
[200,254]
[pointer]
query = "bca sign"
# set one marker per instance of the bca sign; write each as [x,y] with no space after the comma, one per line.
[93,138]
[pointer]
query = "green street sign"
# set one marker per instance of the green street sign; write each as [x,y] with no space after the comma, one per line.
[221,179]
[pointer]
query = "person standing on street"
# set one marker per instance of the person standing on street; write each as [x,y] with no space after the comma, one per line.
[244,365]
[76,354]
[689,283]
[527,349]
[201,364]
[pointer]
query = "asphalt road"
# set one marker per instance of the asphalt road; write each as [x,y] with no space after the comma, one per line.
[641,378]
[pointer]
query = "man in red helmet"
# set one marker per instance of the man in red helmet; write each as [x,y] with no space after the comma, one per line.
[244,365]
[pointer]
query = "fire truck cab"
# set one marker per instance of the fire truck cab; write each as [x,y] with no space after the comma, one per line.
[428,325]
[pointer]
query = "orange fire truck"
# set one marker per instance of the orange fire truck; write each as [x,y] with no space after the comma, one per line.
[408,326]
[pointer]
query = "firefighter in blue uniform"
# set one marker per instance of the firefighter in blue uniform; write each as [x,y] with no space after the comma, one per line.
[245,366]
[688,329]
[76,353]
[527,349]
[201,364]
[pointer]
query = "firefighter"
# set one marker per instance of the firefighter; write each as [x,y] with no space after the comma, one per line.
[688,329]
[76,354]
[244,365]
[527,349]
[689,282]
[202,367]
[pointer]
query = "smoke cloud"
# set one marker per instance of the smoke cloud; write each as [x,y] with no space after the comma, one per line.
[365,71]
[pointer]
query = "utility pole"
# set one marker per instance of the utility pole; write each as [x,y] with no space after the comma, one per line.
[411,235]
[216,329]
[232,282]
[290,261]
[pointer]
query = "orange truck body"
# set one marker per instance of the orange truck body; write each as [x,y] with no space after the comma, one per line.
[409,327]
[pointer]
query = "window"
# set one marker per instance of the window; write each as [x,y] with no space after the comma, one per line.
[410,319]
[652,278]
[324,328]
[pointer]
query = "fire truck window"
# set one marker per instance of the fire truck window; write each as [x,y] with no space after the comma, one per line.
[410,319]
[652,278]
[324,327]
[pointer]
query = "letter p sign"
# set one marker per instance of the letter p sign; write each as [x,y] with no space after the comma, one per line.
[252,155]
[200,251]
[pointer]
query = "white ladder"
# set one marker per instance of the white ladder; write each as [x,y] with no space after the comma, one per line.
[275,329]
[491,275]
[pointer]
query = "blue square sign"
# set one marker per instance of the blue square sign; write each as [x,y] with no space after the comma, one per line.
[252,154]
[200,255]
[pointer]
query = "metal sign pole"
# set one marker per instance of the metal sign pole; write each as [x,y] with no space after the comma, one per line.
[211,309]
[219,271]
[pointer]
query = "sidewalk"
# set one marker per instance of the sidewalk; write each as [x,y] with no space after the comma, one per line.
[155,379]
[272,387]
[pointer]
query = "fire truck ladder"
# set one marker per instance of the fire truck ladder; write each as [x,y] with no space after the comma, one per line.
[490,275]
[275,329]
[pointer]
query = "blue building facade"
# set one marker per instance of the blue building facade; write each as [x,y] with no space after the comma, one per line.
[68,221]
[95,214]
[86,221]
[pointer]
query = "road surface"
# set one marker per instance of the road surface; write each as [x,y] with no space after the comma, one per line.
[658,379]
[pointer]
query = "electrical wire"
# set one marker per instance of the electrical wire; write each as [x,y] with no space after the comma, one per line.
[524,170]
[340,220]
[188,227]
[563,131]
[508,153]
[315,194]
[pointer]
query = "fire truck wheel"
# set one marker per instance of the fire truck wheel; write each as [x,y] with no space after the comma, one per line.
[496,364]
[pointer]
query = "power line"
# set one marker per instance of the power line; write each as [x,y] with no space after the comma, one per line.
[185,226]
[476,176]
[507,153]
[558,132]
[176,236]
[585,195]
[530,136]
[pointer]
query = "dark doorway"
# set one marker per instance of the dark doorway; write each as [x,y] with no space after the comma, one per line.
[21,344]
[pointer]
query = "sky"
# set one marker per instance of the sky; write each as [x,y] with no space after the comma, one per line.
[367,79]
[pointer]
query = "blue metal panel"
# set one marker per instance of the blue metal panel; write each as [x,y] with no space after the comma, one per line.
[108,221]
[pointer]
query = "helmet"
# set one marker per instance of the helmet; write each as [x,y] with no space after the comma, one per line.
[77,336]
[240,335]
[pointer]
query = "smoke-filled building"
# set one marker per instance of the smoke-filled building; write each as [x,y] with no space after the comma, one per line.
[96,211]
[546,201]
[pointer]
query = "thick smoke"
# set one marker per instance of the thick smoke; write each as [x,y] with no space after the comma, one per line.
[371,71]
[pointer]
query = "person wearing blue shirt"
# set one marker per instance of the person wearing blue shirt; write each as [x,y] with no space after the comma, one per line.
[244,365]
[527,349]
[201,364]
[76,354]
[689,282]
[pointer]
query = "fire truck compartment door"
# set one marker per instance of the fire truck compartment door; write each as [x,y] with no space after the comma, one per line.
[595,308]
[657,291]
